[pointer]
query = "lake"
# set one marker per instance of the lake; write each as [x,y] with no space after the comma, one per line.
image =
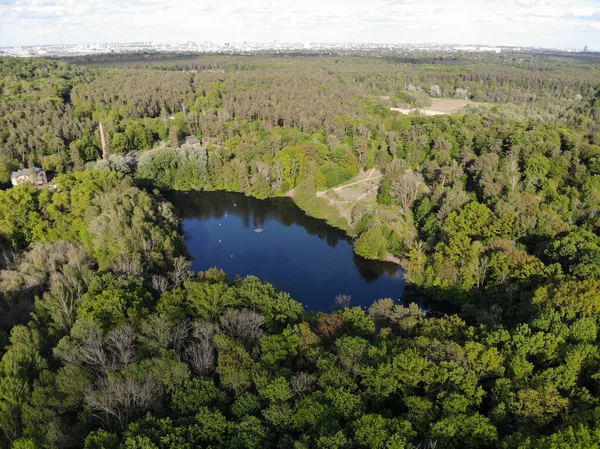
[303,256]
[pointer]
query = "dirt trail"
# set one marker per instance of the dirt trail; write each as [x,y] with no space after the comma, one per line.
[337,189]
[360,198]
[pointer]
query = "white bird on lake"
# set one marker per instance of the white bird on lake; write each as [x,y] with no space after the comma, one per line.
[219,241]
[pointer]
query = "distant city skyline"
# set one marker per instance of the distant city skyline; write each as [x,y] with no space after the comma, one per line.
[529,23]
[241,48]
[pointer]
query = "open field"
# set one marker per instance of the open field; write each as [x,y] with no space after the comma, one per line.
[439,106]
[358,179]
[360,191]
[448,105]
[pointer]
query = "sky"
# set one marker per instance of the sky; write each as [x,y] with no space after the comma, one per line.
[544,23]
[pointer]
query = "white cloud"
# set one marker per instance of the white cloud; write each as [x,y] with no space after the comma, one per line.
[508,22]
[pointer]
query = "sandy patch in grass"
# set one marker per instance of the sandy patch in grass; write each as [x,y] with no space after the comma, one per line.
[439,106]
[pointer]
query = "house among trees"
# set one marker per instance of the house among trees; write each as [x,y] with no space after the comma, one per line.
[191,140]
[37,176]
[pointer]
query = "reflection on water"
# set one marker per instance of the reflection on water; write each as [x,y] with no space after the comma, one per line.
[296,253]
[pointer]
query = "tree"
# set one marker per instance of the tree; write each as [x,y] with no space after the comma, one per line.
[181,271]
[579,252]
[329,325]
[435,91]
[387,312]
[471,431]
[193,394]
[371,244]
[511,172]
[580,297]
[243,324]
[235,367]
[112,301]
[472,220]
[406,189]
[248,434]
[119,400]
[538,406]
[201,356]
[20,365]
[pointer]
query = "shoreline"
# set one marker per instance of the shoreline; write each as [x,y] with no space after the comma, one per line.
[390,258]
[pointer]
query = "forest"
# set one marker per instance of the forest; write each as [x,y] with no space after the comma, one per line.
[110,340]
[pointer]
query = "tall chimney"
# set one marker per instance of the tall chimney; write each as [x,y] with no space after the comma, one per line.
[103,138]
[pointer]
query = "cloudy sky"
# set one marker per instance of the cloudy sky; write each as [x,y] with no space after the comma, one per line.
[548,23]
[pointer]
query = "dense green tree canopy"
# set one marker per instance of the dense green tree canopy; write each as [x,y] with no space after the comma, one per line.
[111,341]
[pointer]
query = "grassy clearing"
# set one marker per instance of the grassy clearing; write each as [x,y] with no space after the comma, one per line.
[439,106]
[357,197]
[448,105]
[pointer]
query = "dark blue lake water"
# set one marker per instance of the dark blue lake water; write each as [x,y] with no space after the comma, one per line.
[298,254]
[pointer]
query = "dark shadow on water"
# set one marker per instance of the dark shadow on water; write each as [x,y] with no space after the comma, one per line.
[371,270]
[434,300]
[253,212]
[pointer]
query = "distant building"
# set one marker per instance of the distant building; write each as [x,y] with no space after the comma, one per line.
[191,140]
[37,177]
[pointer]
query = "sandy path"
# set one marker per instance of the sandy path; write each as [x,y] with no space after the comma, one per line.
[420,111]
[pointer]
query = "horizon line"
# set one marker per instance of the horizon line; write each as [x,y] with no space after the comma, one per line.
[301,43]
